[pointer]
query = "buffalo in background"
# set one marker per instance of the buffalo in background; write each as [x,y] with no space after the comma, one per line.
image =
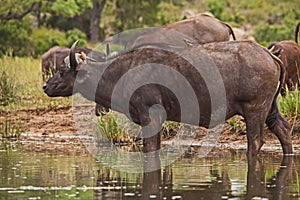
[53,59]
[200,29]
[290,56]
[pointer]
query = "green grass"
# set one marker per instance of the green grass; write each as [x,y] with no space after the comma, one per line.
[290,104]
[26,76]
[21,88]
[7,89]
[9,130]
[117,129]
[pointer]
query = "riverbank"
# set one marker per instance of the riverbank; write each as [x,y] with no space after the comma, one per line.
[54,130]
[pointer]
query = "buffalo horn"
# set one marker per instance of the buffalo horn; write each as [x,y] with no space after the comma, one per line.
[72,56]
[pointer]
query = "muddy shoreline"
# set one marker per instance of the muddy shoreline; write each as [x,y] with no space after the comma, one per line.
[54,130]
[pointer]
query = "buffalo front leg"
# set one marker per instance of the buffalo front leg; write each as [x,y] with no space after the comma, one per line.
[254,129]
[152,143]
[152,127]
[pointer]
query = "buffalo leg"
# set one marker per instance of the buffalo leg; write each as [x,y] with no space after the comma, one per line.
[278,125]
[152,127]
[254,135]
[255,178]
[152,179]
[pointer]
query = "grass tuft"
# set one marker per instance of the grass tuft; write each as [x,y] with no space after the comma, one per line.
[7,89]
[116,129]
[290,104]
[9,130]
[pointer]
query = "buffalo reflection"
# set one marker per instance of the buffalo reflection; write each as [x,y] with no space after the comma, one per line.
[159,184]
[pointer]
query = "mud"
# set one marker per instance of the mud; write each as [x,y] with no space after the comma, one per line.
[53,129]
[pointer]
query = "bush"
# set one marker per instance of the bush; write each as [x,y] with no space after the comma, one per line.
[266,34]
[43,39]
[14,38]
[76,34]
[216,7]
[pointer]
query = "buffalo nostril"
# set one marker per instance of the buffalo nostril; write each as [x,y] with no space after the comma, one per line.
[44,87]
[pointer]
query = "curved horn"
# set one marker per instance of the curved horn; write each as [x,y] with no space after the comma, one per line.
[297,32]
[107,50]
[230,30]
[73,61]
[271,49]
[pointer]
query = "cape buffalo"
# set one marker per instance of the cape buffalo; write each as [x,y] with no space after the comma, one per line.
[200,29]
[203,28]
[290,57]
[54,58]
[249,74]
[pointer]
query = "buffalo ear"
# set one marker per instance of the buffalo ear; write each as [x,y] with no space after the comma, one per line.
[72,56]
[82,76]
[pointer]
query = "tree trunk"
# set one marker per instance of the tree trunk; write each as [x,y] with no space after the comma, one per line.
[97,9]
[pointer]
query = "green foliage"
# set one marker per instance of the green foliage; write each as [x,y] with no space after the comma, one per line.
[76,34]
[7,89]
[267,33]
[290,104]
[216,7]
[70,8]
[14,37]
[15,6]
[130,14]
[170,129]
[43,39]
[10,130]
[270,33]
[111,128]
[168,13]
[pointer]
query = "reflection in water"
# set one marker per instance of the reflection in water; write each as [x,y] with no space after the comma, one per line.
[276,186]
[221,175]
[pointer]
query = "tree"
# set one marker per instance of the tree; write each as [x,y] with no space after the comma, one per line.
[97,9]
[84,15]
[136,13]
[13,10]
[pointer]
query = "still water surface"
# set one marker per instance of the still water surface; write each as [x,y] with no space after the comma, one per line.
[221,175]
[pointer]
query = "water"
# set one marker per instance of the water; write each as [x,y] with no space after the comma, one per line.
[224,174]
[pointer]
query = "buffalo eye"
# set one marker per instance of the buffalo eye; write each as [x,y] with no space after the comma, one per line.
[61,72]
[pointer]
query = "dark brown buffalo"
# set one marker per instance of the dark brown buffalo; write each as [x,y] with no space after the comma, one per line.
[54,58]
[200,29]
[290,57]
[249,72]
[203,28]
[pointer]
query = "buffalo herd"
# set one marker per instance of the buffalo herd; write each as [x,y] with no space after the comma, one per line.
[252,77]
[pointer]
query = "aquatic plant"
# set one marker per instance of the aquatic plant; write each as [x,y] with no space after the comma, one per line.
[9,129]
[113,129]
